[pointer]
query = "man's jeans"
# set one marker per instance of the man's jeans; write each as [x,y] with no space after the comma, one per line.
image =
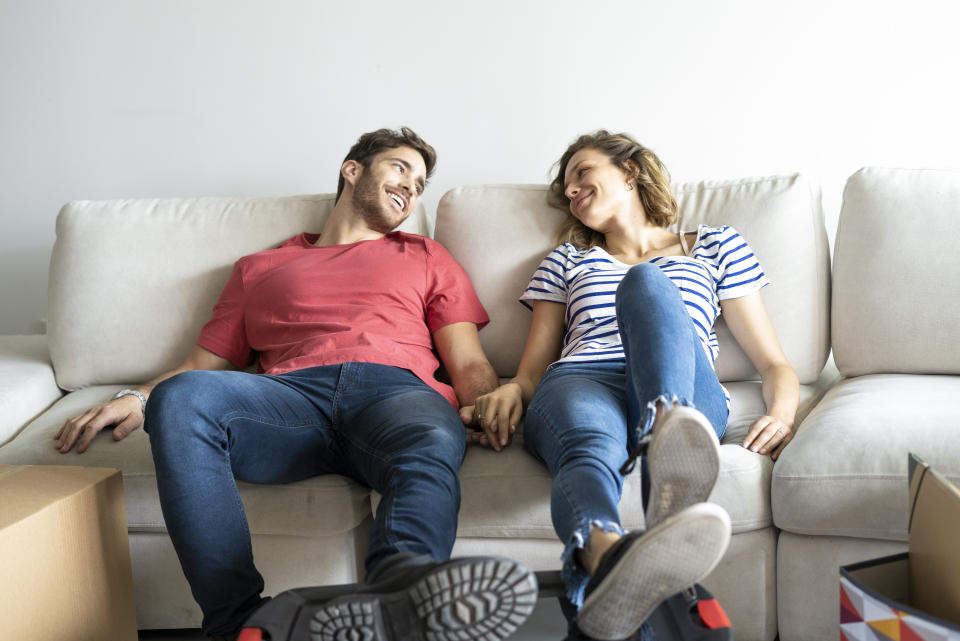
[585,418]
[379,425]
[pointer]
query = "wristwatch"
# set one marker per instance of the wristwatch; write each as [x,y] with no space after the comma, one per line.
[132,392]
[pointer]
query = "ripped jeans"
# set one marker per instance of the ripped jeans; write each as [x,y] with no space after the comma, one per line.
[585,418]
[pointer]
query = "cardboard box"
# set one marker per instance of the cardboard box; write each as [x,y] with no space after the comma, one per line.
[934,553]
[64,555]
[916,595]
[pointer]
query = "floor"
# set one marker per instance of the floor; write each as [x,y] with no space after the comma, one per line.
[545,624]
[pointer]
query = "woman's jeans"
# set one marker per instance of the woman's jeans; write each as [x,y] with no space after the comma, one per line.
[585,418]
[379,425]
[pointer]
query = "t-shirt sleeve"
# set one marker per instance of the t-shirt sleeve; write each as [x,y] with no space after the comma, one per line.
[450,297]
[225,334]
[548,282]
[739,271]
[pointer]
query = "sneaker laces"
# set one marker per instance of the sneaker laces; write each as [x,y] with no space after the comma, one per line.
[638,451]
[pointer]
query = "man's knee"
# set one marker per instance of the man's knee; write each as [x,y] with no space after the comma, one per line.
[175,400]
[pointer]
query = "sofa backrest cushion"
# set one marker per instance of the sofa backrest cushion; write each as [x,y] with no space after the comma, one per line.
[133,281]
[896,307]
[499,233]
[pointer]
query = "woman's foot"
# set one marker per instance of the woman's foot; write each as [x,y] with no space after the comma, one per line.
[644,568]
[684,460]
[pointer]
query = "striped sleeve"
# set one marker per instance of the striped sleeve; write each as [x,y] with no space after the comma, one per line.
[549,281]
[739,271]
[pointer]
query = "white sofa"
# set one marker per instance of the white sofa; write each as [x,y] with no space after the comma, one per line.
[132,282]
[839,491]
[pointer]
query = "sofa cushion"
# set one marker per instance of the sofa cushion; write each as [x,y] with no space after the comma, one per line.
[27,385]
[507,494]
[845,472]
[315,507]
[499,233]
[895,307]
[132,281]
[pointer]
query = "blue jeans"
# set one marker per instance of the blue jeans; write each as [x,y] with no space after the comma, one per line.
[379,425]
[585,418]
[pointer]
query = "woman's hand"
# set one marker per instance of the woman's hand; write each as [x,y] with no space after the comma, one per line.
[494,416]
[768,434]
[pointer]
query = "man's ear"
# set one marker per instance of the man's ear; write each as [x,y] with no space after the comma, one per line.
[351,170]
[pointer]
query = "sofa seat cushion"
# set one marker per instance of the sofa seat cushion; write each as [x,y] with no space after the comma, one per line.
[320,506]
[845,473]
[507,494]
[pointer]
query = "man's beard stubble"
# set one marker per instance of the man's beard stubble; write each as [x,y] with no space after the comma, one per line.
[366,200]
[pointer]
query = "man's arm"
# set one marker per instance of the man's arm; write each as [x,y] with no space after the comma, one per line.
[471,374]
[125,413]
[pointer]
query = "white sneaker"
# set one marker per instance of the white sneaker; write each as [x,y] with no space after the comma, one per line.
[684,461]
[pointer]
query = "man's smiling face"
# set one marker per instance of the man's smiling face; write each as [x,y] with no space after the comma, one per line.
[386,192]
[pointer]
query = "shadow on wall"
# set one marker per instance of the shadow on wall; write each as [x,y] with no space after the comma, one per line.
[23,290]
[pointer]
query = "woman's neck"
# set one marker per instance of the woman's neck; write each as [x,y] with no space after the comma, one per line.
[639,242]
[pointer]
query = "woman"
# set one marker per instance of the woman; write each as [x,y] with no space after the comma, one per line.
[618,362]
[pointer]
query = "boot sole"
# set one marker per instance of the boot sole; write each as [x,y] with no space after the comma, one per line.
[684,461]
[468,599]
[672,556]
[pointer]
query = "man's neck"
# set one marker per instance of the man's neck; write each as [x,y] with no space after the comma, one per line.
[345,226]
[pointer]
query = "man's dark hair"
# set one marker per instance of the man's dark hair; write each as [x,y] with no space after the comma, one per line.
[372,143]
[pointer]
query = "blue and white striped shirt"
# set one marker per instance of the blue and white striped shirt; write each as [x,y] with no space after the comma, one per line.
[720,265]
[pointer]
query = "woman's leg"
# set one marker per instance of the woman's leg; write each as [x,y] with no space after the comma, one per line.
[685,538]
[666,361]
[576,425]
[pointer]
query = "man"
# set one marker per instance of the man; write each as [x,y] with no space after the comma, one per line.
[344,324]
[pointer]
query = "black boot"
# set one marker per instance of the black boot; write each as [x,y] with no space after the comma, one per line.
[409,597]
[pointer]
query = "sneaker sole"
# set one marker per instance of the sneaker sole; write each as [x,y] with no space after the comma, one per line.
[684,461]
[468,599]
[675,554]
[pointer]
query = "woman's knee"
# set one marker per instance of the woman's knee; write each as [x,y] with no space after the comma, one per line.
[645,278]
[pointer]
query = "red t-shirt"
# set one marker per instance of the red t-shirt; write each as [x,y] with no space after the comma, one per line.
[375,301]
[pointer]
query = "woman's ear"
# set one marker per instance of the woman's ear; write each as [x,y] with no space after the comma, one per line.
[632,169]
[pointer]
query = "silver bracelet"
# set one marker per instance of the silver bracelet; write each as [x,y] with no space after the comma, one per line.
[132,392]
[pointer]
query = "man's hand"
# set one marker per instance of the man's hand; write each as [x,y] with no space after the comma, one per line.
[124,414]
[496,414]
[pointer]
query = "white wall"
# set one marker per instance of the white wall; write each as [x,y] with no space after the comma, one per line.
[142,98]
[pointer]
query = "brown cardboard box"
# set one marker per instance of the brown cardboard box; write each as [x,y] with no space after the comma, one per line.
[64,556]
[913,596]
[934,553]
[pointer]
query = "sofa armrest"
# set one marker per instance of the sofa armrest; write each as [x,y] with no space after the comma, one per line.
[27,385]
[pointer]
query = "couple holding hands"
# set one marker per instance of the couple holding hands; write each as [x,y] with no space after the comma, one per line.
[347,326]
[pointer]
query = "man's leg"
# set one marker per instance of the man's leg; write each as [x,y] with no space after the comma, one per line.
[406,441]
[205,429]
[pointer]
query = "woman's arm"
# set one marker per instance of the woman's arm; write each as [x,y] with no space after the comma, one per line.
[750,324]
[502,408]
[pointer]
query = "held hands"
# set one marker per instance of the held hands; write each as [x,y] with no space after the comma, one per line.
[768,434]
[123,413]
[494,416]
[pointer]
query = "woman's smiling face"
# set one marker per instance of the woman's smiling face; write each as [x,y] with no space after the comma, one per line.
[598,190]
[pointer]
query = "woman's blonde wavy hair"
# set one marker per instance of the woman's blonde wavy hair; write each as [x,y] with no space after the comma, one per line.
[639,163]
